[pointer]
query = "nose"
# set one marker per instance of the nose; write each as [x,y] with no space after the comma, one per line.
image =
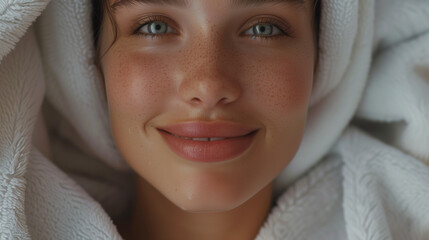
[209,90]
[210,81]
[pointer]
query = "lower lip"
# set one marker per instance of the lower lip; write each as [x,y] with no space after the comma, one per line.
[208,151]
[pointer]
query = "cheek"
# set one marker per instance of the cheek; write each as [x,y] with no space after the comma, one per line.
[281,86]
[279,92]
[137,88]
[136,84]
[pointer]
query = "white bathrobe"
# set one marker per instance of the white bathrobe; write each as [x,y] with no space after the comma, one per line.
[361,171]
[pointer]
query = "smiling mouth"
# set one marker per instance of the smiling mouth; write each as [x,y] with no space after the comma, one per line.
[208,149]
[208,139]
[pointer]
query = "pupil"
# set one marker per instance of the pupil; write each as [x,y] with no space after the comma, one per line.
[157,27]
[264,29]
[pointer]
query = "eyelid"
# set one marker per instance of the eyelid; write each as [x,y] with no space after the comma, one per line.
[152,18]
[281,25]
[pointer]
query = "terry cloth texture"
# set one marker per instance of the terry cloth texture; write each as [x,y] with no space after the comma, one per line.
[343,183]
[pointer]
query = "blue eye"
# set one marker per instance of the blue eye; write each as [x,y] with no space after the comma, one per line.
[155,27]
[264,30]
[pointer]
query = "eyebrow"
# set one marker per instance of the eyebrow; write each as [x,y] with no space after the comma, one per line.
[185,3]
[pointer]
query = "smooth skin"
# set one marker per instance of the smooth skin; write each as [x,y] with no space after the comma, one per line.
[207,61]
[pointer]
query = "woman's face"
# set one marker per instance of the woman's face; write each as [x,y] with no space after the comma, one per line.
[250,63]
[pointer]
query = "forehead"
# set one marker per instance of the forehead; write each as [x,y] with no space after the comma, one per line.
[186,3]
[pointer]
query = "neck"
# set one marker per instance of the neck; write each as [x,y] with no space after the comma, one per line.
[156,217]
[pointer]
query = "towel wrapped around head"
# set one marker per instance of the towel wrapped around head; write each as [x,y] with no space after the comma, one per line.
[76,181]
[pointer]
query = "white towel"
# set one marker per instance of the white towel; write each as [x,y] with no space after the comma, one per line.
[398,90]
[364,187]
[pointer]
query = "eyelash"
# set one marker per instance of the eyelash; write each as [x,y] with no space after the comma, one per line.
[284,31]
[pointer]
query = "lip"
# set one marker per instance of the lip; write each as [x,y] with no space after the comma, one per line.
[238,140]
[206,130]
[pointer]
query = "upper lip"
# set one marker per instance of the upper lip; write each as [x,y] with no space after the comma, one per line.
[208,130]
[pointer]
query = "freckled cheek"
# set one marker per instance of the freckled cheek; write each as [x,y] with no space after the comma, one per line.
[283,87]
[280,92]
[136,85]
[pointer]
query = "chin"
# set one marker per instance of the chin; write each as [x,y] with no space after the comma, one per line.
[209,198]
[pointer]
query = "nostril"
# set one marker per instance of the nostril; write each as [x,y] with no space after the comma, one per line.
[195,100]
[223,100]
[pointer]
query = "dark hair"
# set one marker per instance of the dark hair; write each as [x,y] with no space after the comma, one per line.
[102,8]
